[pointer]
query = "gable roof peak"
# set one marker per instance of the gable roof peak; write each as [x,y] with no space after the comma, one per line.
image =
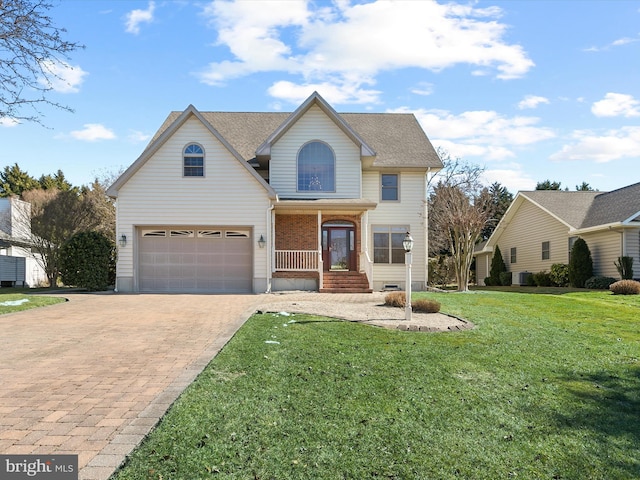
[315,99]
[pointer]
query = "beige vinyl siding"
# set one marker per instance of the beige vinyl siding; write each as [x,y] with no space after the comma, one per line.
[632,248]
[483,265]
[409,211]
[315,125]
[528,229]
[605,248]
[158,194]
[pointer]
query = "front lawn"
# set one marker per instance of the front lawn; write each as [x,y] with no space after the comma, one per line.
[546,387]
[13,301]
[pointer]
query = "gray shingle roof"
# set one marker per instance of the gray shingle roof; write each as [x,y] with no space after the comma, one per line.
[589,209]
[615,206]
[570,207]
[397,138]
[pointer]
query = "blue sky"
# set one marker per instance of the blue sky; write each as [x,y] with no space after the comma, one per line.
[530,90]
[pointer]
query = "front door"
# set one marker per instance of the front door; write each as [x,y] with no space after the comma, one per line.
[338,246]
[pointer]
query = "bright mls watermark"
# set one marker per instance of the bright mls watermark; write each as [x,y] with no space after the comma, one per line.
[39,467]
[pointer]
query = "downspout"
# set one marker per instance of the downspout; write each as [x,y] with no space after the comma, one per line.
[270,243]
[426,229]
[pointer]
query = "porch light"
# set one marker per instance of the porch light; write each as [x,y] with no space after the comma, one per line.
[262,242]
[407,243]
[123,240]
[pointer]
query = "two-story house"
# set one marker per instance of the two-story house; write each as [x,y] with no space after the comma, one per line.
[254,202]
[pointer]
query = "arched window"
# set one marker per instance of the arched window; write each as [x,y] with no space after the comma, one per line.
[193,161]
[316,168]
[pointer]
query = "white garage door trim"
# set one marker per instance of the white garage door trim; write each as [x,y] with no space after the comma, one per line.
[185,259]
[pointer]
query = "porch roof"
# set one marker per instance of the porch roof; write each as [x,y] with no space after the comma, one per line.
[325,204]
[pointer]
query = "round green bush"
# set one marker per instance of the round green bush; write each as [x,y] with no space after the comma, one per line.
[542,279]
[599,282]
[505,279]
[560,274]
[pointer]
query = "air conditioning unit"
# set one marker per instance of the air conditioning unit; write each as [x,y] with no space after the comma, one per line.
[520,278]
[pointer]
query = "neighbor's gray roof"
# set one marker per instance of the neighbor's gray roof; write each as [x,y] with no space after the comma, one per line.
[397,138]
[615,206]
[589,209]
[570,207]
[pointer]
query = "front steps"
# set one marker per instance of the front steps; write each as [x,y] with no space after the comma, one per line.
[345,282]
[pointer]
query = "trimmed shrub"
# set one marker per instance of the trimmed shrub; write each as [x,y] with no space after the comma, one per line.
[395,299]
[505,279]
[487,281]
[599,282]
[581,264]
[560,274]
[542,279]
[625,287]
[425,305]
[87,261]
[497,267]
[624,265]
[530,281]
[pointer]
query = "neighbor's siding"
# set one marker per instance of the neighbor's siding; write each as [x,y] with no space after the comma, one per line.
[605,248]
[530,227]
[315,125]
[632,248]
[408,211]
[483,264]
[158,194]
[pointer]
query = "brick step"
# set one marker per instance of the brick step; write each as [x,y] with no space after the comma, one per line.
[345,282]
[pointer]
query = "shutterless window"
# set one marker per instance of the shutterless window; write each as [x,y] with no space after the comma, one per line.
[546,251]
[387,243]
[316,168]
[193,161]
[513,255]
[389,187]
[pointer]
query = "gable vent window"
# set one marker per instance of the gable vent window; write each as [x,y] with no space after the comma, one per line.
[193,161]
[316,168]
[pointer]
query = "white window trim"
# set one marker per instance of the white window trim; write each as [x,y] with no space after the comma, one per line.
[204,160]
[405,228]
[397,174]
[335,167]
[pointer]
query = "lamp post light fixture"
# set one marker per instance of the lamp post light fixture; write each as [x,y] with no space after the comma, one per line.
[123,240]
[407,244]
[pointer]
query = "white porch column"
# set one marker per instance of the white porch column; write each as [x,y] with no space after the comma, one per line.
[320,262]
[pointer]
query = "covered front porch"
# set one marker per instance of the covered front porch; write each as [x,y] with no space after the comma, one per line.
[321,245]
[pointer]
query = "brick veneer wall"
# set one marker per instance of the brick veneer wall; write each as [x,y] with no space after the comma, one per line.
[296,232]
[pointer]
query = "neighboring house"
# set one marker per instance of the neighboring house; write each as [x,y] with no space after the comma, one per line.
[540,227]
[18,265]
[255,202]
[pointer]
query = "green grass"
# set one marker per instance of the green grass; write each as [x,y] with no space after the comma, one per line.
[546,387]
[32,301]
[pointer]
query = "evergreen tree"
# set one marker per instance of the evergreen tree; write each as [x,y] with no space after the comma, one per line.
[548,185]
[15,181]
[580,264]
[497,267]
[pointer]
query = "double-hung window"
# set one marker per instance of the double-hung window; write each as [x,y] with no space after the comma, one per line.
[389,187]
[387,243]
[514,256]
[546,251]
[193,161]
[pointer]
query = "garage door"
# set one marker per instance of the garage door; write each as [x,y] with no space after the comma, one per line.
[197,260]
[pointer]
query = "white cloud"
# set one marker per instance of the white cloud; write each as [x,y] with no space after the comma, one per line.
[423,88]
[616,43]
[334,93]
[137,136]
[93,132]
[8,122]
[512,178]
[532,101]
[613,145]
[135,17]
[62,77]
[351,44]
[615,105]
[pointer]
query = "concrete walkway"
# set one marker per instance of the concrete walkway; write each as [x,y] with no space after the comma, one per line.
[93,375]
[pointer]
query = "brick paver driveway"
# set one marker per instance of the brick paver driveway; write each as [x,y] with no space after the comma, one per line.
[93,375]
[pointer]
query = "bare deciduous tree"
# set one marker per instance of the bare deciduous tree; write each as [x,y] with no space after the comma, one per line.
[31,52]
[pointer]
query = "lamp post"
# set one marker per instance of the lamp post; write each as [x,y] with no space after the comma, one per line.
[407,244]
